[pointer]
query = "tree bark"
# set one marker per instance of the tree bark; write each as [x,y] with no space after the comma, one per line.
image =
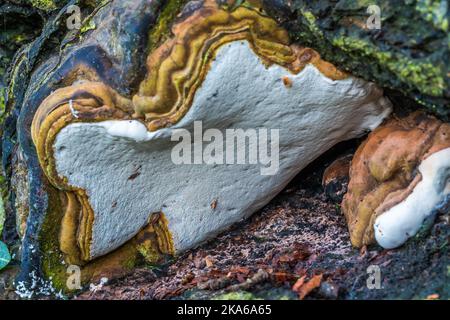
[409,52]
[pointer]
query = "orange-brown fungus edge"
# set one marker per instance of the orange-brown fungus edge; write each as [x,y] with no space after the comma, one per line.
[383,171]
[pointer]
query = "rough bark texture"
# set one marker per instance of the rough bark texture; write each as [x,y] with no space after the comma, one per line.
[410,53]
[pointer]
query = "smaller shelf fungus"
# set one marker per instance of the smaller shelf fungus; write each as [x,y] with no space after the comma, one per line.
[399,178]
[108,157]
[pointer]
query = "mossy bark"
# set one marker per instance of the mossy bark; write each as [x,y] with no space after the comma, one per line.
[409,53]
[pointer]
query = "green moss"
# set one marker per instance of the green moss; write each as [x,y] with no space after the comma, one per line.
[150,254]
[52,258]
[410,58]
[422,75]
[2,103]
[271,294]
[311,23]
[46,5]
[162,30]
[89,25]
[238,295]
[435,12]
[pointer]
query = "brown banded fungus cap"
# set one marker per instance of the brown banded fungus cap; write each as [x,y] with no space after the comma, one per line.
[398,177]
[112,157]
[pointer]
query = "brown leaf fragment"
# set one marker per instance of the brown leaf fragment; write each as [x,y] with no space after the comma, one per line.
[291,256]
[299,283]
[239,269]
[304,288]
[209,261]
[282,277]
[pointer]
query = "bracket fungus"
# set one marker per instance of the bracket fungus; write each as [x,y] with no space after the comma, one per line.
[399,177]
[107,154]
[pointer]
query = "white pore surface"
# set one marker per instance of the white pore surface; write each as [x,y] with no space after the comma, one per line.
[238,92]
[402,221]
